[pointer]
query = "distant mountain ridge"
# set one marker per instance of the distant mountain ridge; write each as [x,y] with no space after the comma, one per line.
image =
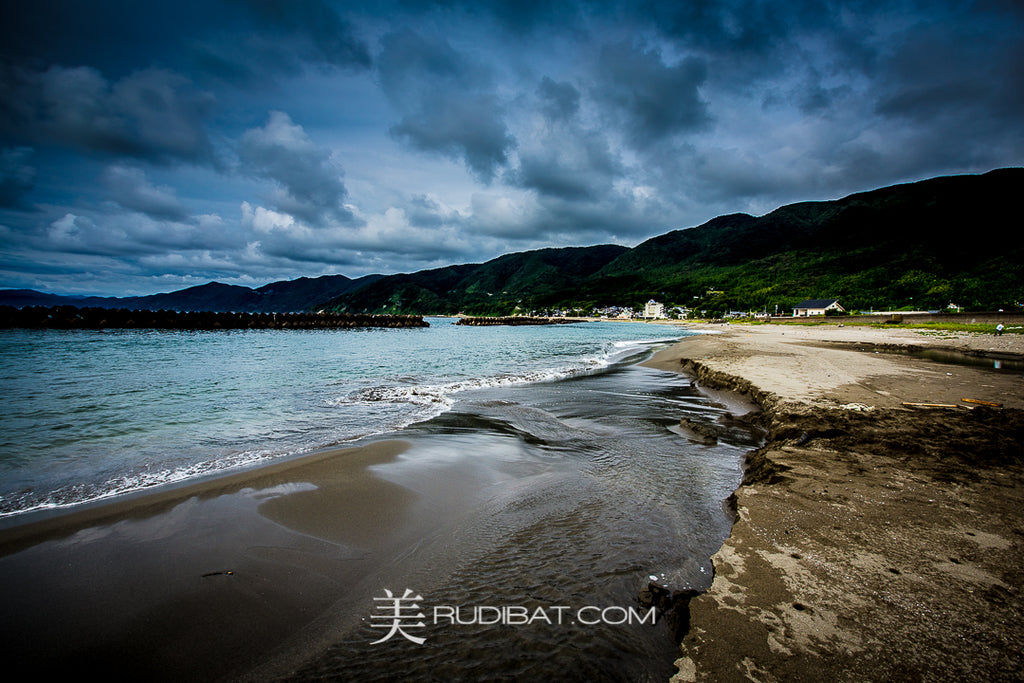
[523,279]
[953,239]
[286,296]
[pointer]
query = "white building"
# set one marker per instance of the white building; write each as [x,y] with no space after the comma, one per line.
[811,307]
[654,310]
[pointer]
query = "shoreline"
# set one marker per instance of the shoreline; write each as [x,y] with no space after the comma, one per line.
[48,524]
[245,560]
[872,540]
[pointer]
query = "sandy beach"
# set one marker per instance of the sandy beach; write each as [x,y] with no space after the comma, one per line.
[873,540]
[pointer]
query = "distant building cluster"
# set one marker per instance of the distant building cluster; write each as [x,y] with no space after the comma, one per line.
[614,312]
[655,310]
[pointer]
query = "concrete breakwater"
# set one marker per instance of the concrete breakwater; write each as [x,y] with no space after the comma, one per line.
[71,317]
[514,320]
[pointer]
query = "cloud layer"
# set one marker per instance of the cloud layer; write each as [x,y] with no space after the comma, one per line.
[309,185]
[143,149]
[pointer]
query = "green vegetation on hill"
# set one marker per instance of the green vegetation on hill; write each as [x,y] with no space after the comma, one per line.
[917,246]
[524,279]
[923,245]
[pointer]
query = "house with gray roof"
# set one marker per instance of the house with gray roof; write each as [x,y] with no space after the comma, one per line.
[810,307]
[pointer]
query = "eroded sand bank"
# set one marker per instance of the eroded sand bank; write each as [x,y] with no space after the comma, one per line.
[873,541]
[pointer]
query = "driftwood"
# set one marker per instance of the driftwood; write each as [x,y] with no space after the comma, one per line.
[982,403]
[932,405]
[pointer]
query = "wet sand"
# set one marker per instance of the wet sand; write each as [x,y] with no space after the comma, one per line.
[873,541]
[198,581]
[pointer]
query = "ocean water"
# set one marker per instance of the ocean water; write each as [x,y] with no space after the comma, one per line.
[547,466]
[89,414]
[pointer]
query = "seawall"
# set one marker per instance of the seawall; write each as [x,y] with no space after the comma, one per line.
[71,317]
[514,320]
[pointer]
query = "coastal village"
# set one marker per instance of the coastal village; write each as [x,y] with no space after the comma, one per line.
[655,310]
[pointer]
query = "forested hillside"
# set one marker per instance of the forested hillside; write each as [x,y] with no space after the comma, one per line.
[917,246]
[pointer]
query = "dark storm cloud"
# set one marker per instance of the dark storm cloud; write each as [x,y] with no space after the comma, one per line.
[332,39]
[310,180]
[17,177]
[558,100]
[448,102]
[654,100]
[735,25]
[129,188]
[109,36]
[571,164]
[931,76]
[950,93]
[812,97]
[425,212]
[566,159]
[153,114]
[234,40]
[273,39]
[519,16]
[548,175]
[355,250]
[764,36]
[129,235]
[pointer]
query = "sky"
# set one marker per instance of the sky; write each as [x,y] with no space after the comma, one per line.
[150,146]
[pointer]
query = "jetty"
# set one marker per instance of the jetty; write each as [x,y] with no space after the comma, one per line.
[514,320]
[72,317]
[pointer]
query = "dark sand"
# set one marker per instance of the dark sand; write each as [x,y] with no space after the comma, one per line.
[873,541]
[199,581]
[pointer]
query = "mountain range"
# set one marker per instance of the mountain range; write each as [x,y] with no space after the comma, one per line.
[277,297]
[923,245]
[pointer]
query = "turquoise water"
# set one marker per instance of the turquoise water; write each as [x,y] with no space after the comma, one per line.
[93,414]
